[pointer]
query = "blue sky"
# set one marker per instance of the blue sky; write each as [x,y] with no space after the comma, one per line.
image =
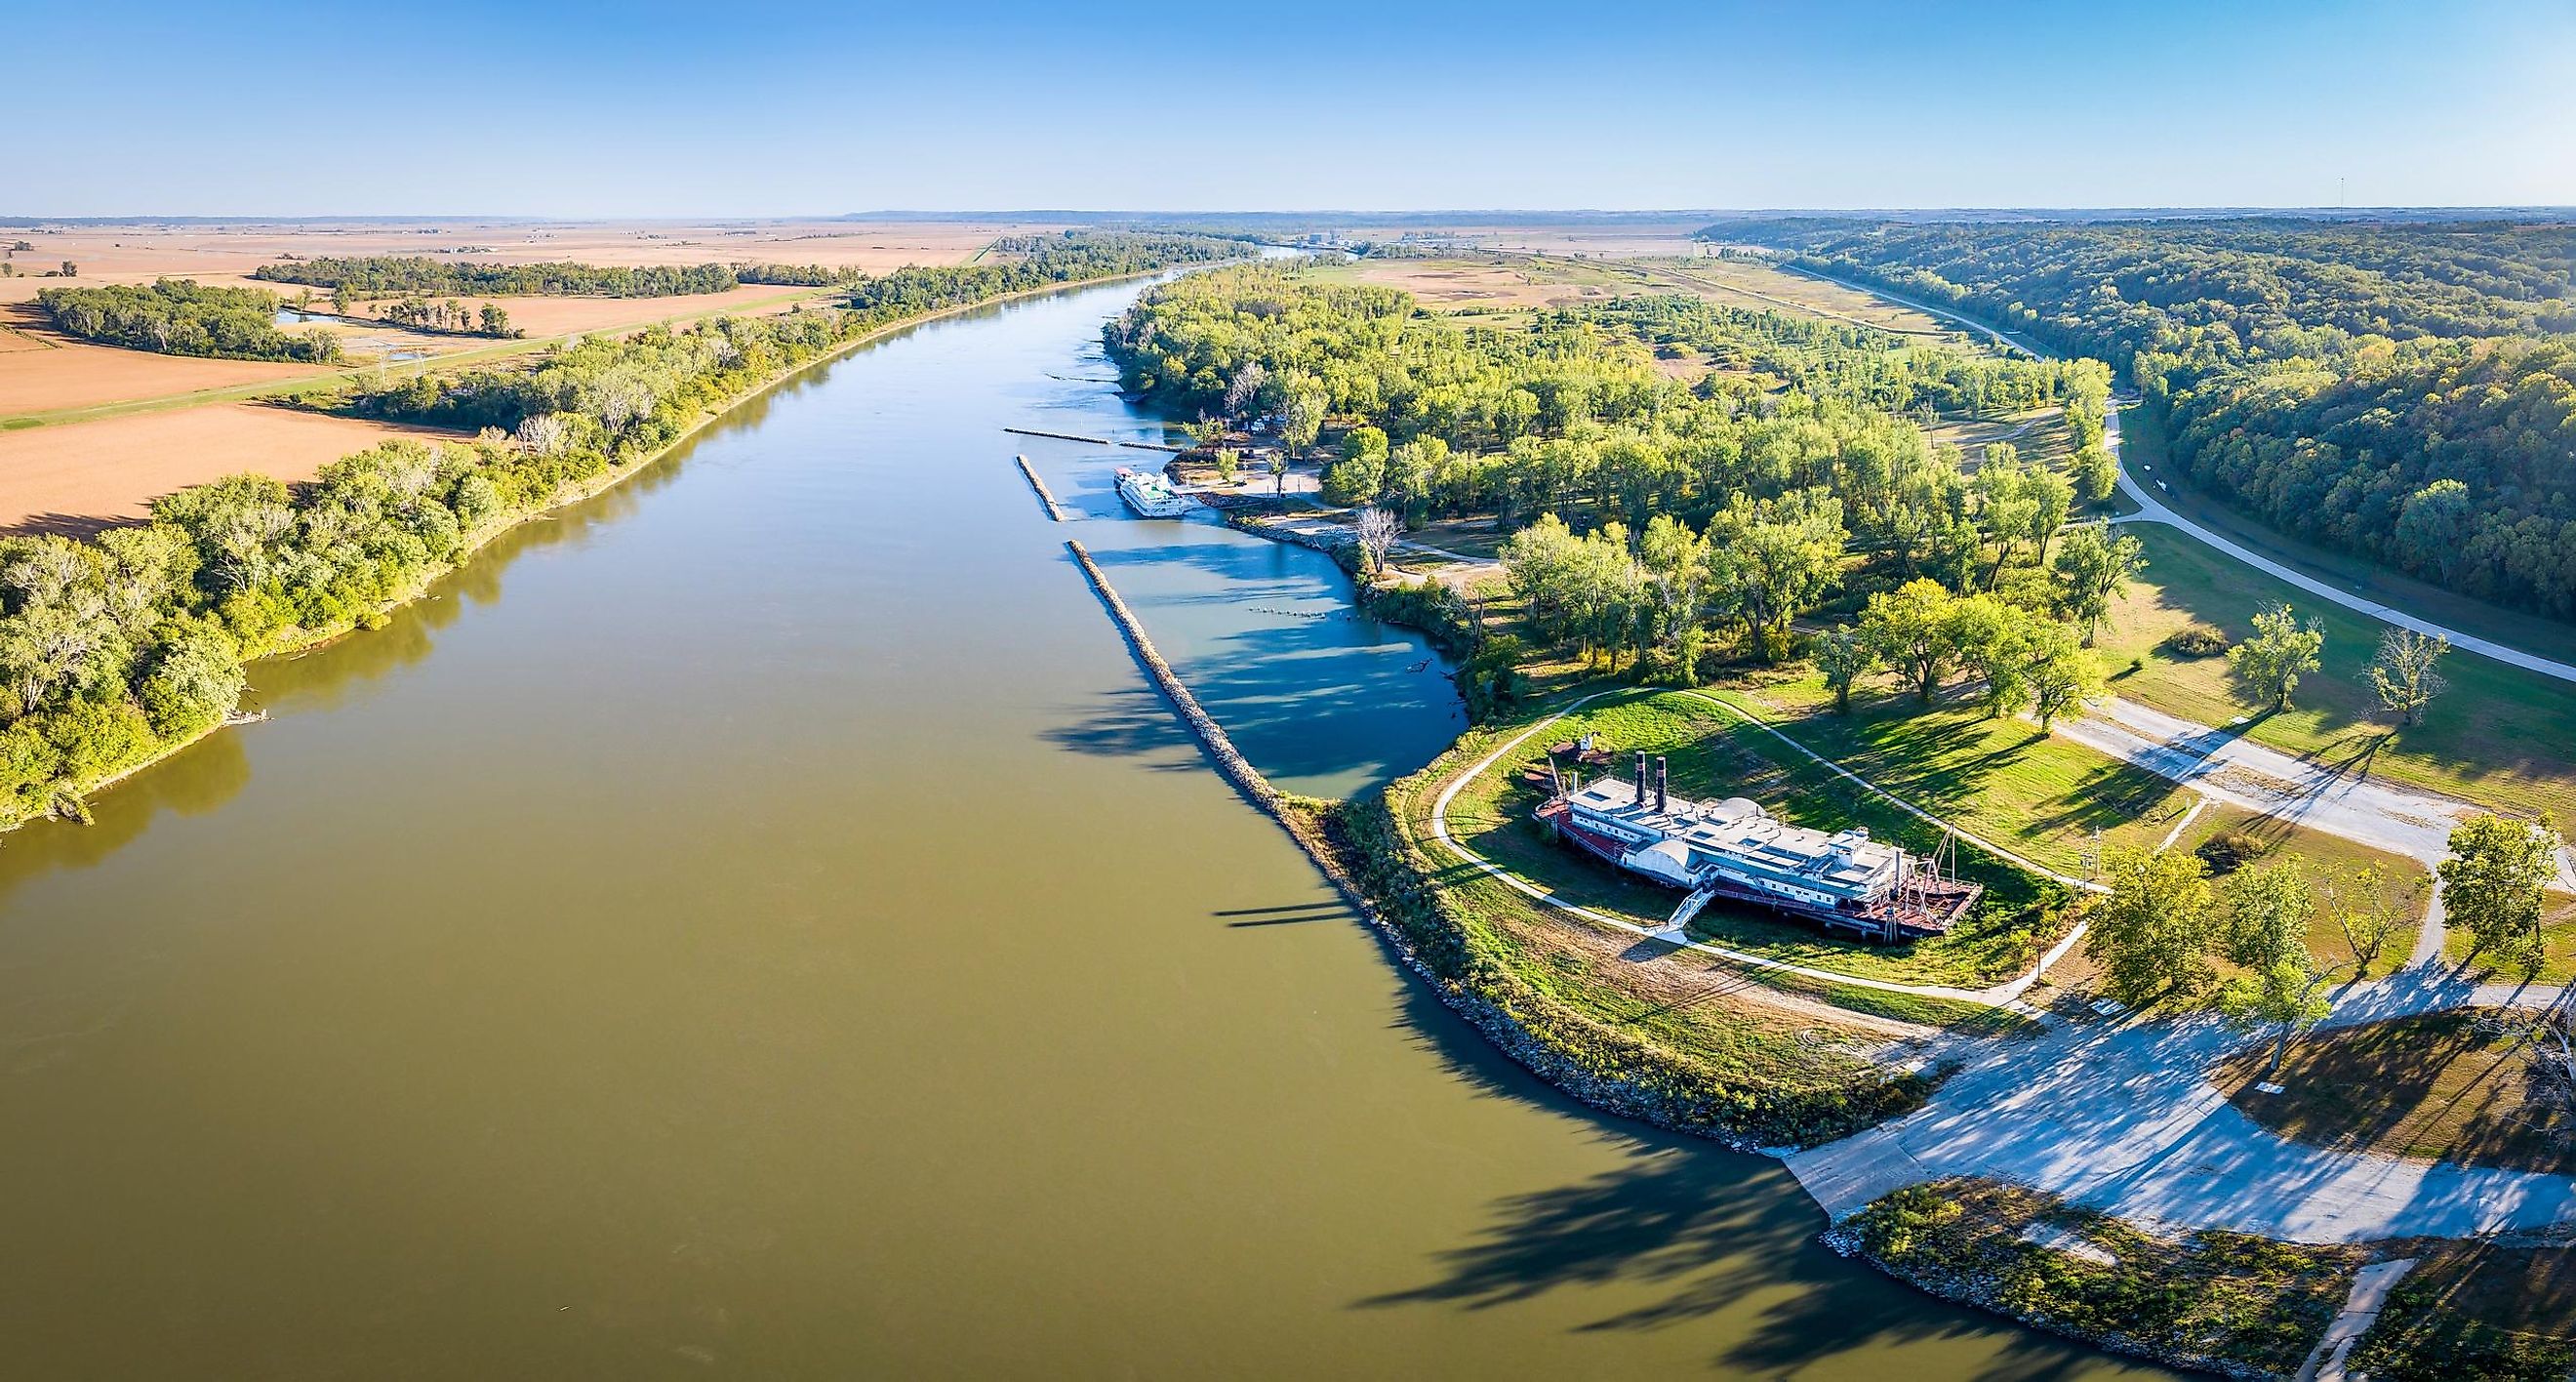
[642,109]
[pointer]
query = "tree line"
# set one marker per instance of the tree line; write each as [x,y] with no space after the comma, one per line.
[183,317]
[412,275]
[2403,392]
[1718,509]
[114,646]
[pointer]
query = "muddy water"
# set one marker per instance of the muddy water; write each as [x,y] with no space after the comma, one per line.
[760,925]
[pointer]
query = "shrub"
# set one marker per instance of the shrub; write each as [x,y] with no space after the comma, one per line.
[2196,640]
[2230,850]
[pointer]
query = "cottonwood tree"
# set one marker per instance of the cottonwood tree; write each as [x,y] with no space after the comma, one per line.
[2064,676]
[2266,936]
[1844,657]
[1376,530]
[2492,885]
[2152,934]
[1994,640]
[1771,558]
[2403,672]
[1676,561]
[1911,627]
[2279,652]
[2093,570]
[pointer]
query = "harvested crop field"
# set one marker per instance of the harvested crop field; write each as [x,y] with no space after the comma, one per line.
[76,477]
[57,373]
[553,316]
[142,251]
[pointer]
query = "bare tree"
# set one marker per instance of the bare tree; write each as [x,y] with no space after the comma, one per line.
[2403,672]
[2363,909]
[545,433]
[1377,529]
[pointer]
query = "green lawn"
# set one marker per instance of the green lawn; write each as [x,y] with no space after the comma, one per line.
[2144,445]
[2500,737]
[2407,883]
[1713,753]
[2558,940]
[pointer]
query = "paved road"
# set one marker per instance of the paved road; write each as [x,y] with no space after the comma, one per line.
[2154,510]
[2123,1117]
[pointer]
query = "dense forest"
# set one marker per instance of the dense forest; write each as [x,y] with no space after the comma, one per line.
[2406,392]
[393,275]
[182,317]
[113,647]
[1702,513]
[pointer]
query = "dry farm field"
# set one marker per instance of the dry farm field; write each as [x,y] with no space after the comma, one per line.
[81,476]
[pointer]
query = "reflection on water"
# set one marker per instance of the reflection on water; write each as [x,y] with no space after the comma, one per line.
[759,923]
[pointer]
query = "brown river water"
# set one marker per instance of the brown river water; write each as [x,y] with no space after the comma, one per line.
[760,924]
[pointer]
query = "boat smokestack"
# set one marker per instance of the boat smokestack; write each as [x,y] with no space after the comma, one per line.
[1641,780]
[1663,784]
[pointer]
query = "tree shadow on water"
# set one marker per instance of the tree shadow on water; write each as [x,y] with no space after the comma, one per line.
[1695,1233]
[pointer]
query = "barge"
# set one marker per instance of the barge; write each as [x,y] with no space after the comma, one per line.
[1735,850]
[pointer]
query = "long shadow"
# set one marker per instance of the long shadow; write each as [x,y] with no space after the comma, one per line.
[1703,1232]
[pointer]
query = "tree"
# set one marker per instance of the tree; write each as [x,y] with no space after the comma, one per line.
[2362,908]
[2097,473]
[1376,530]
[2403,672]
[1994,640]
[2492,885]
[2279,652]
[1844,657]
[1911,627]
[2051,495]
[1361,473]
[1773,557]
[2152,934]
[496,320]
[1228,462]
[1279,473]
[2064,676]
[1303,418]
[1676,561]
[2093,570]
[1245,391]
[2267,911]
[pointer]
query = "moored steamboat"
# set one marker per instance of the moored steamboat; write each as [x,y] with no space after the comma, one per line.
[1733,849]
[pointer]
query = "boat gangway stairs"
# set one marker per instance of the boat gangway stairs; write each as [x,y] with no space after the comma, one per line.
[1691,906]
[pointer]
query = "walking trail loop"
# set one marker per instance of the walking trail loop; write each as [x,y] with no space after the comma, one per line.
[2123,1117]
[2005,995]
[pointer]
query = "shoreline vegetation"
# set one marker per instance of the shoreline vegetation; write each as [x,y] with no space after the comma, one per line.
[120,650]
[1639,1030]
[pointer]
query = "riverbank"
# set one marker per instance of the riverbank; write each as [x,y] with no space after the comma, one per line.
[1743,1079]
[65,798]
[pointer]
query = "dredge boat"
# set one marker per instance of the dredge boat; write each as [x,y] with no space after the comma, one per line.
[1733,849]
[1149,494]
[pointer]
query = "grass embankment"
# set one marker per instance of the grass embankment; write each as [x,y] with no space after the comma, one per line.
[2492,1312]
[1714,754]
[2440,1087]
[2146,445]
[1669,1037]
[2406,887]
[2215,1300]
[2500,736]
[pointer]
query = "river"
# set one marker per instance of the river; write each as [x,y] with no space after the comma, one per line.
[759,924]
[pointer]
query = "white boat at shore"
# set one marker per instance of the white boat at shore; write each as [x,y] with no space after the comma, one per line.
[1149,494]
